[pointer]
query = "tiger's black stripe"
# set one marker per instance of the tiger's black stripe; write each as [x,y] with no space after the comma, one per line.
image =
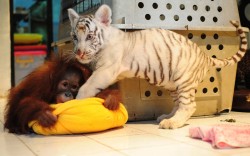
[160,64]
[146,75]
[155,79]
[131,64]
[149,66]
[137,70]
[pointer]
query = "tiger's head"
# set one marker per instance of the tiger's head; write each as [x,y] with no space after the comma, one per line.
[87,33]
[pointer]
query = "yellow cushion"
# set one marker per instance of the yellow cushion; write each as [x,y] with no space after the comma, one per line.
[83,116]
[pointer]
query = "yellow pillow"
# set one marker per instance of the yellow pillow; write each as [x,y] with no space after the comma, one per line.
[83,116]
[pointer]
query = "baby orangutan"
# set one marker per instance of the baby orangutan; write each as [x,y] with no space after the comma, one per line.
[53,82]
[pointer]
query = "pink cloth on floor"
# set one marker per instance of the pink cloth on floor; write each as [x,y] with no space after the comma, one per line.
[223,136]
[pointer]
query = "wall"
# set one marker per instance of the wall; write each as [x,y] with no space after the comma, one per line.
[5,49]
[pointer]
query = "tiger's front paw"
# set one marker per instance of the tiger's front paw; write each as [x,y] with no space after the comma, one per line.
[80,96]
[171,124]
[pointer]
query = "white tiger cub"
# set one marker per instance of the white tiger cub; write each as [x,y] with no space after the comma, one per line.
[162,57]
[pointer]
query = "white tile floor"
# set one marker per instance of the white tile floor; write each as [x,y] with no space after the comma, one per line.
[134,139]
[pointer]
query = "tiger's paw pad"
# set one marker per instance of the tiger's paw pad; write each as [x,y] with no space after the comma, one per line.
[170,124]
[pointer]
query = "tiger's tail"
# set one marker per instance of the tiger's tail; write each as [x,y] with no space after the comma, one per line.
[240,53]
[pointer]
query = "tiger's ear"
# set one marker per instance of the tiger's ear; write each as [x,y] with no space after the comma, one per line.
[103,15]
[72,16]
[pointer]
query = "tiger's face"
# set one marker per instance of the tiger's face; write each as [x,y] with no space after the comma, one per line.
[87,39]
[87,33]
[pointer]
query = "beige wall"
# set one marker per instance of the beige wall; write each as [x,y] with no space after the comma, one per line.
[5,70]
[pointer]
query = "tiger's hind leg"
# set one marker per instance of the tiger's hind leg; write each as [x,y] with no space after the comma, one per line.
[186,107]
[174,96]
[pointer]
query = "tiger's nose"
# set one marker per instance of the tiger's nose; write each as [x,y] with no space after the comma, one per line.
[80,54]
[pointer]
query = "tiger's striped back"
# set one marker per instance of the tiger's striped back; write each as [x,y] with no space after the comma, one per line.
[161,56]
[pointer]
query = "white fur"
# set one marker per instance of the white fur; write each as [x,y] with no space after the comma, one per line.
[73,16]
[103,15]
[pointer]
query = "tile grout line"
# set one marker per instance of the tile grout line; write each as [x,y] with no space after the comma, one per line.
[113,149]
[26,146]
